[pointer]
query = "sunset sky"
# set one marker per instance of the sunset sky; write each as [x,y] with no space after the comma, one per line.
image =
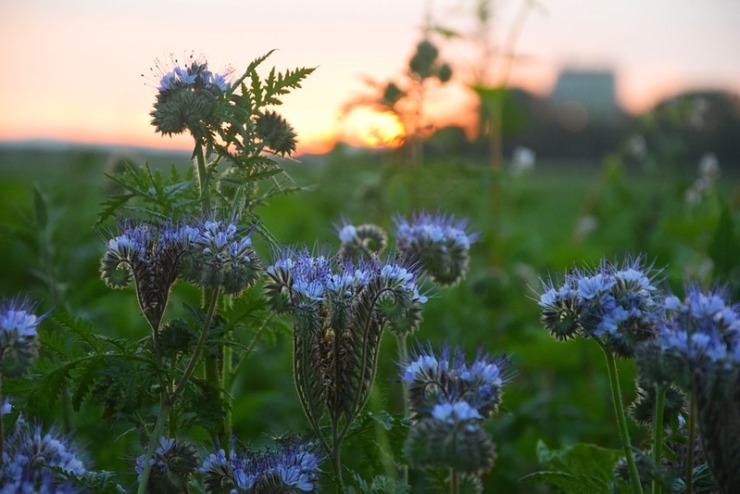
[72,69]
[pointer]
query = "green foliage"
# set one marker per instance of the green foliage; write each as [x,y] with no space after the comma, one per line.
[581,468]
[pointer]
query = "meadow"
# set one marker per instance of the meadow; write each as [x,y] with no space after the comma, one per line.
[544,221]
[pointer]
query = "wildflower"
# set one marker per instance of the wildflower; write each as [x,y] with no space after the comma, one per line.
[698,348]
[152,255]
[172,465]
[18,342]
[447,378]
[187,98]
[361,241]
[618,305]
[31,461]
[291,467]
[450,398]
[439,243]
[340,309]
[220,255]
[276,133]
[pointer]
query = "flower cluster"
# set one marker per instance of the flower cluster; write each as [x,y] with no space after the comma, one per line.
[339,312]
[439,243]
[151,254]
[18,344]
[219,256]
[210,253]
[187,98]
[450,398]
[361,241]
[617,304]
[173,463]
[291,468]
[698,349]
[31,461]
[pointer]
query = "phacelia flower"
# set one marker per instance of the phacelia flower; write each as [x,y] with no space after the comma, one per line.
[450,398]
[439,243]
[291,467]
[30,460]
[18,342]
[276,133]
[172,465]
[221,255]
[339,307]
[446,379]
[150,254]
[361,241]
[188,97]
[617,304]
[699,347]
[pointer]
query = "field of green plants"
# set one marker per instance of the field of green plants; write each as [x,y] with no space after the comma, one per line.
[162,318]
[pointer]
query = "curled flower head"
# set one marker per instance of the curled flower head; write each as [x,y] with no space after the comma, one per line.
[361,241]
[172,464]
[32,458]
[18,342]
[220,254]
[439,243]
[292,466]
[151,254]
[618,304]
[276,133]
[188,96]
[433,380]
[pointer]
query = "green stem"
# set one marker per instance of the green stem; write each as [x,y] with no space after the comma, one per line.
[164,405]
[660,391]
[692,439]
[454,482]
[403,357]
[611,366]
[336,461]
[200,164]
[199,348]
[226,376]
[2,423]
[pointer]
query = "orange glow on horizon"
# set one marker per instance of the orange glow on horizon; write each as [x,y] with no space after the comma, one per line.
[373,129]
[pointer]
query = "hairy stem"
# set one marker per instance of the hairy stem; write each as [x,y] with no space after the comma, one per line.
[660,390]
[164,405]
[403,357]
[200,165]
[691,444]
[226,376]
[611,367]
[199,348]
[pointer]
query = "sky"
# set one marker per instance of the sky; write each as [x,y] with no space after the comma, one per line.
[73,68]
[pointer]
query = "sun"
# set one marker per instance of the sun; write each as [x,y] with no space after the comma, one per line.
[373,129]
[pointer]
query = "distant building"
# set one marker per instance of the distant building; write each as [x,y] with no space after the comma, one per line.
[583,96]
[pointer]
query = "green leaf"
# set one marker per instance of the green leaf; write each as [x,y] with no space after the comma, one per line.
[580,468]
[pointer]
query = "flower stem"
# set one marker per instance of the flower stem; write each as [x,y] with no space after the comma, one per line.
[200,164]
[226,376]
[403,357]
[692,439]
[660,390]
[454,482]
[164,405]
[611,367]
